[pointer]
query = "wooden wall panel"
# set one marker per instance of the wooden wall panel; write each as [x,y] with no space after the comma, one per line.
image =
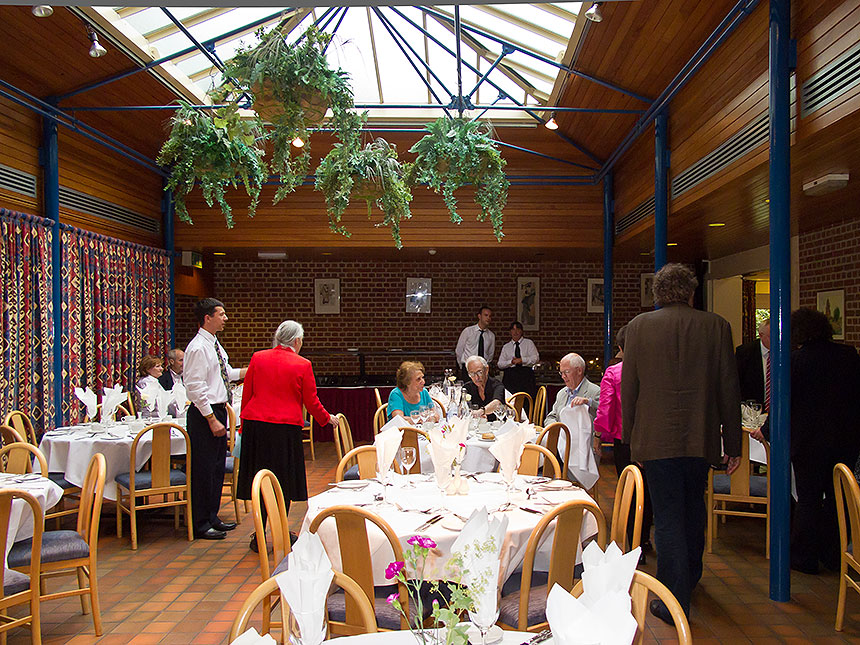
[19,136]
[633,179]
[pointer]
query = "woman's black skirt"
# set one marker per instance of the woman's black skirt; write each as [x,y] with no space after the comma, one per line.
[276,447]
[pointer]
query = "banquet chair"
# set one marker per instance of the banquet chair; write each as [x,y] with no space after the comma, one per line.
[160,479]
[231,470]
[847,494]
[639,588]
[8,435]
[629,495]
[266,493]
[364,610]
[539,408]
[128,406]
[19,588]
[379,418]
[741,488]
[437,403]
[67,553]
[17,458]
[308,426]
[343,441]
[410,440]
[352,527]
[378,397]
[365,456]
[21,422]
[525,609]
[549,436]
[518,402]
[530,462]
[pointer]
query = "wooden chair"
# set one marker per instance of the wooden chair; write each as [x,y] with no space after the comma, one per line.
[356,562]
[530,462]
[128,406]
[18,588]
[309,428]
[378,397]
[847,494]
[363,608]
[380,417]
[629,495]
[441,407]
[525,610]
[410,440]
[343,441]
[67,553]
[549,438]
[16,458]
[518,402]
[365,456]
[741,488]
[231,471]
[8,435]
[641,585]
[161,480]
[539,408]
[21,422]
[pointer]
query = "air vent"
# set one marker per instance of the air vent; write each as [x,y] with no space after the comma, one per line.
[17,181]
[830,82]
[744,141]
[643,210]
[90,205]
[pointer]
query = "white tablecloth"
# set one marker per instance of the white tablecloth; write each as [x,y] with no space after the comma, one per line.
[477,458]
[20,518]
[69,450]
[406,638]
[403,516]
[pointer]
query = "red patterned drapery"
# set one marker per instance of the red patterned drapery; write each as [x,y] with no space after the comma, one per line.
[27,381]
[116,299]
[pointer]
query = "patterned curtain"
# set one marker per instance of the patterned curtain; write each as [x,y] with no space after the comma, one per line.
[748,311]
[117,309]
[26,343]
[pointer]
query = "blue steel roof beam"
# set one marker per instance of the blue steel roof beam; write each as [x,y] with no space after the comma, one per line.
[545,156]
[316,23]
[334,31]
[549,61]
[457,32]
[506,49]
[484,111]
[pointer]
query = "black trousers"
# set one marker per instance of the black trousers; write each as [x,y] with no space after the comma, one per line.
[621,455]
[677,488]
[208,456]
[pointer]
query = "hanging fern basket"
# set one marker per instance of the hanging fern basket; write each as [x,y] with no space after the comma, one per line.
[270,107]
[366,189]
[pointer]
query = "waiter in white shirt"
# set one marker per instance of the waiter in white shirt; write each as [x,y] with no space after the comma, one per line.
[477,340]
[207,375]
[516,361]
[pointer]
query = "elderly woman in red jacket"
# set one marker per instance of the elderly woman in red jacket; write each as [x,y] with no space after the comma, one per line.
[278,383]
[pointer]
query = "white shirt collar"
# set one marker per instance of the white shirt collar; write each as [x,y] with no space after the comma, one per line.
[207,335]
[764,350]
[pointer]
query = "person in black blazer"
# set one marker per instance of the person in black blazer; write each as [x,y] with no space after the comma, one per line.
[749,357]
[175,361]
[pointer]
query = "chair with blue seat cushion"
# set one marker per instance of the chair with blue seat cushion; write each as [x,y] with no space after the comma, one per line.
[18,458]
[343,443]
[169,484]
[67,553]
[231,469]
[365,456]
[739,493]
[18,588]
[525,609]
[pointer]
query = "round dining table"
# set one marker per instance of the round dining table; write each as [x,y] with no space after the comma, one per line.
[46,492]
[405,637]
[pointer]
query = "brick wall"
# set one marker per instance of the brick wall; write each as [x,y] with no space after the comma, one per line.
[830,259]
[258,295]
[185,325]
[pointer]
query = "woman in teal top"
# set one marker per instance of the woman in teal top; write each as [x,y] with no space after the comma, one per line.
[409,394]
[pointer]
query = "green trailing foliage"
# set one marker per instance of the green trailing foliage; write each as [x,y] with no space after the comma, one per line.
[458,152]
[218,152]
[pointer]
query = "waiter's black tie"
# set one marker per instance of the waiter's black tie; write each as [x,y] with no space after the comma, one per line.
[517,353]
[481,343]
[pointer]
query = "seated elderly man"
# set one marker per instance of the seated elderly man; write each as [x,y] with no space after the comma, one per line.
[487,394]
[579,390]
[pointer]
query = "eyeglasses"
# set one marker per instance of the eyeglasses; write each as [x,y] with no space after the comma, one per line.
[564,373]
[474,374]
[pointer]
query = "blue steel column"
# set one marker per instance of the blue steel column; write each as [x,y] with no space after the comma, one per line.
[780,298]
[49,156]
[167,211]
[608,243]
[661,189]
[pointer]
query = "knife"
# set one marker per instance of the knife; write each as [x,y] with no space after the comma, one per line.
[429,522]
[539,638]
[531,510]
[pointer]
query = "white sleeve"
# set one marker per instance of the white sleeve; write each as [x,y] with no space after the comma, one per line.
[530,354]
[194,378]
[505,356]
[461,348]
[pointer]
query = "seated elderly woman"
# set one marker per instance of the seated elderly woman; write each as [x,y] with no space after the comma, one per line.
[151,368]
[410,395]
[488,394]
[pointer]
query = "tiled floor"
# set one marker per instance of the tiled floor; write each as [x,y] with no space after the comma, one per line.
[174,591]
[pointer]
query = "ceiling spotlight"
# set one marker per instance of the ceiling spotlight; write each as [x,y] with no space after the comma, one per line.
[593,13]
[298,143]
[42,10]
[432,251]
[96,49]
[716,224]
[551,124]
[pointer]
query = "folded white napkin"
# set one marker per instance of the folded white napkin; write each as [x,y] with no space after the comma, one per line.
[89,399]
[180,397]
[252,637]
[163,399]
[437,393]
[508,449]
[480,546]
[396,421]
[305,584]
[387,443]
[112,397]
[507,426]
[149,393]
[583,464]
[444,449]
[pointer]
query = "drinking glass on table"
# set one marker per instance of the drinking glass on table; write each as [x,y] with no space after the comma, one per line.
[426,413]
[415,415]
[484,620]
[407,457]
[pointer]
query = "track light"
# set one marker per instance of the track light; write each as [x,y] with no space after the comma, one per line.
[96,49]
[42,10]
[551,124]
[298,143]
[593,13]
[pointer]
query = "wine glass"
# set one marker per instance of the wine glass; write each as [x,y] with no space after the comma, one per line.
[407,457]
[484,620]
[415,415]
[502,414]
[306,619]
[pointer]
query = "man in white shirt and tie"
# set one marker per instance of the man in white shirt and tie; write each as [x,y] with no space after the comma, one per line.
[516,360]
[477,340]
[207,374]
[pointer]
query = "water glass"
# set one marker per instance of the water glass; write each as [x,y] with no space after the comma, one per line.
[484,621]
[407,457]
[415,415]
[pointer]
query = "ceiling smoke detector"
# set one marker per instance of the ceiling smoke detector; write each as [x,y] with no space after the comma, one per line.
[826,184]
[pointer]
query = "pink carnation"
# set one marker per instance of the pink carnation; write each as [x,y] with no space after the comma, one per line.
[393,598]
[393,569]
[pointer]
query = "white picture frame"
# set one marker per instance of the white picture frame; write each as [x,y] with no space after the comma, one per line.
[327,295]
[594,296]
[528,302]
[646,296]
[419,294]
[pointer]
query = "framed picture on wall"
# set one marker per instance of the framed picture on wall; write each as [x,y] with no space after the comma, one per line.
[528,303]
[832,305]
[646,297]
[327,295]
[594,296]
[419,291]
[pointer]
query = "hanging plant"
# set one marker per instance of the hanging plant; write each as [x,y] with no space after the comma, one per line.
[457,152]
[292,87]
[372,173]
[218,152]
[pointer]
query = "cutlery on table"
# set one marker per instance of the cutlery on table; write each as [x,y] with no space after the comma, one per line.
[531,510]
[538,638]
[430,522]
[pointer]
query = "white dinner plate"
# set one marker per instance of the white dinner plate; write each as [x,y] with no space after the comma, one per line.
[556,484]
[453,523]
[351,484]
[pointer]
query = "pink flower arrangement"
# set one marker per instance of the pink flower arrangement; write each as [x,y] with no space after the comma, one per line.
[423,542]
[393,569]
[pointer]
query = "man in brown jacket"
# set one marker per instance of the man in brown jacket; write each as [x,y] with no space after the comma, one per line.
[679,386]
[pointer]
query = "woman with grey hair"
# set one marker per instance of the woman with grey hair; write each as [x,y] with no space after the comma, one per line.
[278,384]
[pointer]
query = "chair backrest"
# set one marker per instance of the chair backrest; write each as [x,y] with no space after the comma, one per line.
[518,402]
[15,458]
[740,479]
[128,406]
[539,408]
[231,428]
[410,440]
[343,441]
[378,397]
[847,495]
[8,434]
[92,495]
[21,422]
[549,437]
[568,517]
[441,407]
[364,609]
[366,458]
[160,463]
[380,417]
[530,461]
[266,493]
[351,523]
[629,495]
[7,497]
